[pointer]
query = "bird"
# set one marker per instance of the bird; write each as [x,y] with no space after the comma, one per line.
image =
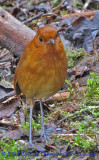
[41,70]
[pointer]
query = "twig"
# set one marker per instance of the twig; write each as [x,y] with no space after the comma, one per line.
[86,14]
[9,123]
[59,6]
[32,18]
[71,135]
[87,4]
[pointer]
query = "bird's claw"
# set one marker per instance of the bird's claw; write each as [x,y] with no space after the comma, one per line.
[46,133]
[30,145]
[44,137]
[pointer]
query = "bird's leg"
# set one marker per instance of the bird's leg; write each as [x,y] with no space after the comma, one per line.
[43,127]
[45,133]
[30,134]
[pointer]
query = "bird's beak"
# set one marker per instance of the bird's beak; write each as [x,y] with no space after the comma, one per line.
[51,41]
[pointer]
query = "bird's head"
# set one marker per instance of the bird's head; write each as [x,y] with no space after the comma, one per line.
[46,36]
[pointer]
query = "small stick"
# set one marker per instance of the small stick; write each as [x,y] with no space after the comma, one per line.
[9,123]
[53,9]
[87,4]
[32,18]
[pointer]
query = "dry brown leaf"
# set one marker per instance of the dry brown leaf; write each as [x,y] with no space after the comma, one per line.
[60,96]
[14,134]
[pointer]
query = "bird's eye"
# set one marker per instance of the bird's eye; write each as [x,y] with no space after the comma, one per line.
[40,39]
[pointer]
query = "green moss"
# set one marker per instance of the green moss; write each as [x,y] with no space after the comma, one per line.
[73,55]
[92,89]
[63,12]
[27,125]
[78,4]
[84,144]
[9,147]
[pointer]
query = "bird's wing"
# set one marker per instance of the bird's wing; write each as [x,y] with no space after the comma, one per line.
[19,66]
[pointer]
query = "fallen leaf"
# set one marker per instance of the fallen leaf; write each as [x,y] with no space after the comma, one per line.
[14,134]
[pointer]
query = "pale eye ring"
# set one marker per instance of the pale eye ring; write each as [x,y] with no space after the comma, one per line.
[40,39]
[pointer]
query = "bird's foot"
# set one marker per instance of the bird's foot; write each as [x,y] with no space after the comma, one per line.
[46,133]
[45,136]
[30,145]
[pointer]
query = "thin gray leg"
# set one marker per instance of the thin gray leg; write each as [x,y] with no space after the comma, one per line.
[43,127]
[30,136]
